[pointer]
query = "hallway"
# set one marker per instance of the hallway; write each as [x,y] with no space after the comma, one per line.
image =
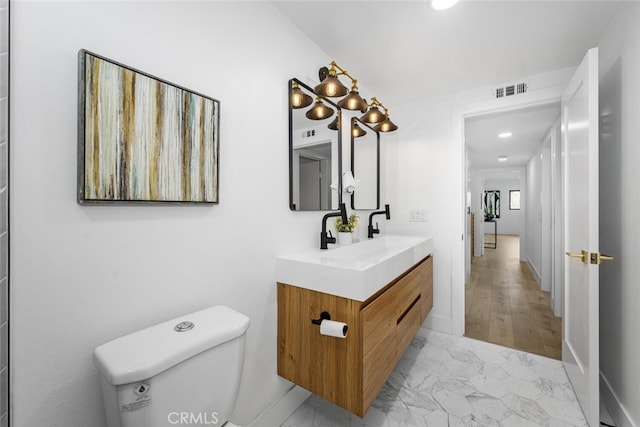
[504,304]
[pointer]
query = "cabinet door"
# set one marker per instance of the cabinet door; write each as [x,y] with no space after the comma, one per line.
[378,345]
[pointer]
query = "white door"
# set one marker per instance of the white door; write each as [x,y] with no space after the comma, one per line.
[580,140]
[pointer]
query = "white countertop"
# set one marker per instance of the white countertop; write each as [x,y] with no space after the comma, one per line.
[356,271]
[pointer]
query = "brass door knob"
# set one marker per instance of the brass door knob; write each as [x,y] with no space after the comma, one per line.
[583,255]
[597,258]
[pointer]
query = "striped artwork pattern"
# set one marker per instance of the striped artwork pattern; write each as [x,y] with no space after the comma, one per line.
[146,140]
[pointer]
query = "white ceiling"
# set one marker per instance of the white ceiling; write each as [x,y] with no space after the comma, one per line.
[528,127]
[403,52]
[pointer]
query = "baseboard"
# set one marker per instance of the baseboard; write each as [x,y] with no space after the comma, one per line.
[279,411]
[618,412]
[439,323]
[534,271]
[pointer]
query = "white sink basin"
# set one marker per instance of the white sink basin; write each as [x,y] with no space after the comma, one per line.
[357,271]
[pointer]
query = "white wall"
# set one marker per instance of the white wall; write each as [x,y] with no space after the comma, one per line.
[424,167]
[509,221]
[619,206]
[82,276]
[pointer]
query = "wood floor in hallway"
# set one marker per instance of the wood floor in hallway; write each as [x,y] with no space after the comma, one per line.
[504,304]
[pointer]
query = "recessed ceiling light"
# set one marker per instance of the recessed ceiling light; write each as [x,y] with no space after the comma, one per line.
[442,4]
[503,158]
[504,135]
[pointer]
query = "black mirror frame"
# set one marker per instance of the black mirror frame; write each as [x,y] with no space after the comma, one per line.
[339,113]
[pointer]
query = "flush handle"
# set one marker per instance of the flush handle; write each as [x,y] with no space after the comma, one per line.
[184,326]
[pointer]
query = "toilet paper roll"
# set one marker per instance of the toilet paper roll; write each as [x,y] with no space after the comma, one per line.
[333,329]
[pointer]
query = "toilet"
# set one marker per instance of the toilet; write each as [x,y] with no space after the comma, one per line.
[185,371]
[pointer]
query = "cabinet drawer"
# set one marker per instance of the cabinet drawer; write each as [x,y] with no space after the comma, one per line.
[412,289]
[408,325]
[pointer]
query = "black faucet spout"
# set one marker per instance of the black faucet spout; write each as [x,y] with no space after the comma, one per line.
[375,230]
[327,237]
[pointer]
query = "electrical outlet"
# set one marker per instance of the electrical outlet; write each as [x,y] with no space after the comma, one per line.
[418,215]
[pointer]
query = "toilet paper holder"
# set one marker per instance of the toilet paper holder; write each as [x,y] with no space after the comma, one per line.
[323,316]
[336,329]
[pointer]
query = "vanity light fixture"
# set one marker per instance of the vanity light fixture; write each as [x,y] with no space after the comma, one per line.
[503,158]
[353,101]
[299,99]
[442,4]
[504,135]
[375,116]
[386,125]
[330,86]
[319,111]
[335,124]
[357,131]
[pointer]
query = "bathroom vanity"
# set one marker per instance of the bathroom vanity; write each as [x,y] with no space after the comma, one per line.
[382,289]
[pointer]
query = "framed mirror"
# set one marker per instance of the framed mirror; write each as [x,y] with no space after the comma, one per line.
[315,144]
[365,165]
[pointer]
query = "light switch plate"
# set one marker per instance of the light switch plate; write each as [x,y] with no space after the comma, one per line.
[418,215]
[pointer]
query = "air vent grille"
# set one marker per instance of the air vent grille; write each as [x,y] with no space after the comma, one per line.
[511,89]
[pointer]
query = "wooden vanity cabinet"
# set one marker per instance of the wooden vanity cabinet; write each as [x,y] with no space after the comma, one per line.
[350,372]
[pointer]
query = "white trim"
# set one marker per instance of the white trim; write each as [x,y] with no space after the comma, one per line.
[438,323]
[280,410]
[618,412]
[459,114]
[535,272]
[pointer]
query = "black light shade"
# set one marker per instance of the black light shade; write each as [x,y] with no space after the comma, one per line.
[386,126]
[353,102]
[319,111]
[335,124]
[357,131]
[331,87]
[373,116]
[299,99]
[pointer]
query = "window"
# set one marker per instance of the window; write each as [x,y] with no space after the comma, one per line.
[514,200]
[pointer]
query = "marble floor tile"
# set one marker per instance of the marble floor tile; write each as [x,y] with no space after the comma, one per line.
[449,381]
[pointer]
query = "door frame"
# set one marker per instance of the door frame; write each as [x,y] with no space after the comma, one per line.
[459,114]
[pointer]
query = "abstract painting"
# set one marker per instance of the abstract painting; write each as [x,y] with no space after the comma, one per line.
[142,139]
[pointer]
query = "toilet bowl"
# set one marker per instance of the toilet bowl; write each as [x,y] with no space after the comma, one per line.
[185,371]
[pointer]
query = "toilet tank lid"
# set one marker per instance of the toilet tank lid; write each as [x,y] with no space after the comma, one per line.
[146,353]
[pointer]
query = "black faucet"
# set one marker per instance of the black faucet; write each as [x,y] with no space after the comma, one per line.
[325,237]
[375,230]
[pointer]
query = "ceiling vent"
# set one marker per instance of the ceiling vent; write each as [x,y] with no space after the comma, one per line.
[511,89]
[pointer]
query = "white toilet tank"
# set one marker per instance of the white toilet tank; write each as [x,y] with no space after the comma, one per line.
[182,372]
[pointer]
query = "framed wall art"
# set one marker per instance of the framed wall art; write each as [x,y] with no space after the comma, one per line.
[142,139]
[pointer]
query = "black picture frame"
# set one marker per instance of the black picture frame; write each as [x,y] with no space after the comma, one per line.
[143,140]
[491,204]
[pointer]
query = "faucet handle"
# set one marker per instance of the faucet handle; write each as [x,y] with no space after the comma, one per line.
[329,234]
